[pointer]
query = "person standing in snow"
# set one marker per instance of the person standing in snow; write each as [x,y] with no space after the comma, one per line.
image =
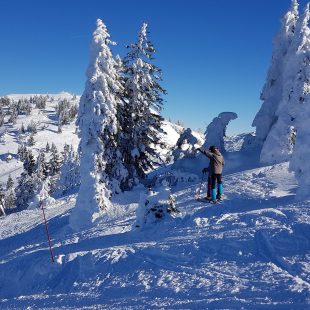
[215,171]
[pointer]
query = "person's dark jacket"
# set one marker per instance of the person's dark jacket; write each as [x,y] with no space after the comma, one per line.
[216,161]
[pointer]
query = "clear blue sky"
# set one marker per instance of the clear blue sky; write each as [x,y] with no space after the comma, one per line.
[214,54]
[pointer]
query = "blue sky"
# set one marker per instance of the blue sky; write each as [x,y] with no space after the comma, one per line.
[214,54]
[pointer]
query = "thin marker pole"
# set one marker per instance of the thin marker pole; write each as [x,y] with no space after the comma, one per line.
[48,235]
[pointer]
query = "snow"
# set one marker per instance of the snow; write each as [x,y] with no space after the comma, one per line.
[216,130]
[250,251]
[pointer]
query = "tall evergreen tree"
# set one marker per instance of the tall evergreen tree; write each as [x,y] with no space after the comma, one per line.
[9,183]
[42,167]
[278,145]
[24,190]
[299,108]
[69,177]
[54,167]
[29,162]
[140,117]
[10,197]
[47,147]
[101,162]
[55,162]
[273,89]
[31,141]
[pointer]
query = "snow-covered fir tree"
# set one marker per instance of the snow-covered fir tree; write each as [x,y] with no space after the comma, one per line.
[141,121]
[2,115]
[9,195]
[278,145]
[44,182]
[22,129]
[42,167]
[41,194]
[55,161]
[13,115]
[101,162]
[9,183]
[39,101]
[29,162]
[47,147]
[54,167]
[24,190]
[31,141]
[69,178]
[300,109]
[66,112]
[273,89]
[21,152]
[53,148]
[59,129]
[32,127]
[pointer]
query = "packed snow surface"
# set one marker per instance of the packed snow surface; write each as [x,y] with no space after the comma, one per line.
[250,251]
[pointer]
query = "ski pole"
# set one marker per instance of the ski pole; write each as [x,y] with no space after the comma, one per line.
[200,186]
[47,233]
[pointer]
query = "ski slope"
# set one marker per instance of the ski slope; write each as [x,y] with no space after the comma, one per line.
[251,251]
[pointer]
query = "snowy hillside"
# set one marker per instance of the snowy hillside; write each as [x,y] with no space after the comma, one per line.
[250,251]
[46,122]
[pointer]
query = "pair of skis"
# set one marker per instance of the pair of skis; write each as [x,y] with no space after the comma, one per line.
[199,192]
[202,199]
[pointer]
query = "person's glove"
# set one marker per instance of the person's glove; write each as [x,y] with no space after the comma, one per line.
[205,170]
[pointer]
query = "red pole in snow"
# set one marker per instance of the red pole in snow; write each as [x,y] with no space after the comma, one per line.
[48,235]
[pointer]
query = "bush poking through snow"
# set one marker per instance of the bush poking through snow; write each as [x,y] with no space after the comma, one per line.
[155,207]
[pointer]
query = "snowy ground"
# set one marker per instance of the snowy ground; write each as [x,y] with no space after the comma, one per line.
[250,252]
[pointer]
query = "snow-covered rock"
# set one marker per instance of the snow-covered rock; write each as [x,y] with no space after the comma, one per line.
[216,130]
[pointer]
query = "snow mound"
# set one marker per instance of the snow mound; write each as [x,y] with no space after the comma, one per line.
[216,130]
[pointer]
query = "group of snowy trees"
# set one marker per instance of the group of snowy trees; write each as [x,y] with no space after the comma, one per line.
[282,128]
[7,196]
[119,122]
[66,112]
[22,106]
[43,177]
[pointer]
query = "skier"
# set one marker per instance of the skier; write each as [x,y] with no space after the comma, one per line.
[215,170]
